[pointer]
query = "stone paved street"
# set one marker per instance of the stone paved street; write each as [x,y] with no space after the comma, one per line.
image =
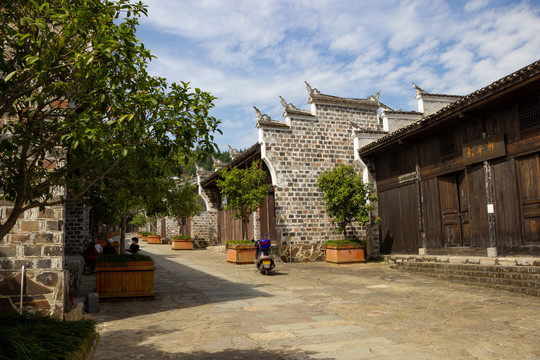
[206,308]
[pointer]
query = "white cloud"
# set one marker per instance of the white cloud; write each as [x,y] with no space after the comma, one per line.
[248,53]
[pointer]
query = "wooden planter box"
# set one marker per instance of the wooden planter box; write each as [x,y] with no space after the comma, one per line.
[145,238]
[125,279]
[344,254]
[154,239]
[101,241]
[182,244]
[241,255]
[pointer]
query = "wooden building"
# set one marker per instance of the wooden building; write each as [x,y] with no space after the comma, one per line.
[228,228]
[464,179]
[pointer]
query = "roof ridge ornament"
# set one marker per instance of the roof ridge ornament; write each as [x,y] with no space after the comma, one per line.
[287,106]
[418,89]
[233,152]
[310,90]
[375,97]
[261,116]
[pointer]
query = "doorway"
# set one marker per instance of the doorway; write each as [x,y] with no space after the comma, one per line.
[454,200]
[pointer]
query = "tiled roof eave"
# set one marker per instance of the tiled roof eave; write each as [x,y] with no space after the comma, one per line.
[529,72]
[234,162]
[328,99]
[272,124]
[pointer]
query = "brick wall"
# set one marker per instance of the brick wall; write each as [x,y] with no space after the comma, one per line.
[312,143]
[204,227]
[37,242]
[77,227]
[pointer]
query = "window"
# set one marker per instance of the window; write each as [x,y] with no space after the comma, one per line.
[529,114]
[447,147]
[394,163]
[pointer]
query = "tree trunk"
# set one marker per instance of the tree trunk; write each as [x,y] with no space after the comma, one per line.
[244,228]
[123,226]
[6,227]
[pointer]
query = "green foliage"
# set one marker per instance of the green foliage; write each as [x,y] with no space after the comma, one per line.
[183,201]
[204,160]
[31,337]
[231,244]
[346,197]
[146,233]
[245,190]
[81,103]
[181,237]
[122,258]
[350,242]
[139,220]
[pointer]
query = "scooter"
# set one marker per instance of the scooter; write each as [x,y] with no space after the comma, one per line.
[263,259]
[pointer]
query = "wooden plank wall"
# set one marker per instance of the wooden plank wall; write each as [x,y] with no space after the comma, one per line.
[230,228]
[400,223]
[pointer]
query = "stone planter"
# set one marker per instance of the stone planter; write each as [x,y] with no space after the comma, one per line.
[154,239]
[241,254]
[344,254]
[125,279]
[182,244]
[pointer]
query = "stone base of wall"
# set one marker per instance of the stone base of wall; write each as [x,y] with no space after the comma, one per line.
[75,267]
[43,292]
[199,243]
[300,252]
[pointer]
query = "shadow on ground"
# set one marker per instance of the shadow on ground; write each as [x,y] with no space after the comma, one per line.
[177,286]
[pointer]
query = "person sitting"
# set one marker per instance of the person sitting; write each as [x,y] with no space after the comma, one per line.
[99,248]
[90,255]
[134,247]
[109,249]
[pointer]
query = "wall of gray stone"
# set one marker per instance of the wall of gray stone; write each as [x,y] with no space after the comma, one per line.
[204,229]
[299,155]
[77,225]
[171,228]
[37,242]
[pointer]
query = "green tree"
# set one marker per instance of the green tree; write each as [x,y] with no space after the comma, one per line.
[76,99]
[183,201]
[245,190]
[347,198]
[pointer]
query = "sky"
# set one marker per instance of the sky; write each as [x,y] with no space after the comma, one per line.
[248,53]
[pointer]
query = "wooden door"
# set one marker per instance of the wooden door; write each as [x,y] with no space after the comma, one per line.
[267,217]
[454,202]
[529,188]
[464,209]
[450,210]
[163,228]
[185,227]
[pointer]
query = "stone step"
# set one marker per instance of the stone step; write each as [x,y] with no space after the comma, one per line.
[492,268]
[509,278]
[508,272]
[523,279]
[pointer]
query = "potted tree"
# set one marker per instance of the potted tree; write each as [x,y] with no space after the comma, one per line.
[183,202]
[182,242]
[240,251]
[153,239]
[144,235]
[124,275]
[245,190]
[347,199]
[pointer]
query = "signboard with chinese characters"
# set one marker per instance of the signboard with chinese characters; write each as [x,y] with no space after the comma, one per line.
[485,149]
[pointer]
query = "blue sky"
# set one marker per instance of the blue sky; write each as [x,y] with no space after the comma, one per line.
[248,53]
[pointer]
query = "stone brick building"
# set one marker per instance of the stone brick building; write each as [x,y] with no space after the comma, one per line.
[36,242]
[294,152]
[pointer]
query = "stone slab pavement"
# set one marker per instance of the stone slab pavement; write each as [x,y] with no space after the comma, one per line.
[206,308]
